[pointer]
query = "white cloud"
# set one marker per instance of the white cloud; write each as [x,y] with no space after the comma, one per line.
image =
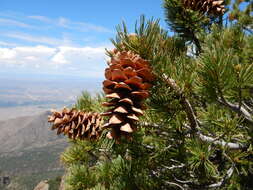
[13,18]
[6,53]
[11,22]
[37,39]
[7,44]
[26,55]
[88,61]
[63,22]
[78,55]
[40,18]
[34,51]
[31,58]
[51,53]
[69,24]
[59,58]
[82,26]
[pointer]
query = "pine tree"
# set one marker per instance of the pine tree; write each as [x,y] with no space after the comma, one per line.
[197,129]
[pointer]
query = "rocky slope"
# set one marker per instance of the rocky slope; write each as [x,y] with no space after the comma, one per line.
[26,133]
[30,151]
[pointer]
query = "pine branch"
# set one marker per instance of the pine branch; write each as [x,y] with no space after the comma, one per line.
[219,184]
[204,138]
[174,166]
[183,181]
[174,184]
[230,145]
[194,123]
[186,104]
[241,110]
[223,180]
[247,107]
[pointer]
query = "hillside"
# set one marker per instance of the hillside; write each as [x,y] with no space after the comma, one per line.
[29,151]
[25,133]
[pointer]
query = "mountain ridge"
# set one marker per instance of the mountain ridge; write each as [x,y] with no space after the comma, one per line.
[27,132]
[30,151]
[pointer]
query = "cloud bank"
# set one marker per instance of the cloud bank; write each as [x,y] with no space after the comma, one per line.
[41,44]
[88,61]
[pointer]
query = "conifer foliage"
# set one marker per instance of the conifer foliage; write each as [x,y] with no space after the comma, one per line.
[196,131]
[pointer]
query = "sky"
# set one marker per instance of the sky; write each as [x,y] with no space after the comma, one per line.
[63,37]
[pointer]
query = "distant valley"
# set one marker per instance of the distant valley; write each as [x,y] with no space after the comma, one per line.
[30,151]
[24,95]
[26,133]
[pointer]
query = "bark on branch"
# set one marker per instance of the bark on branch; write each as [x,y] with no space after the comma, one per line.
[194,123]
[222,143]
[240,110]
[223,180]
[186,104]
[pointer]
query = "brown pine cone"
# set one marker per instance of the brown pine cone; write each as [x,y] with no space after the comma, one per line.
[76,124]
[211,7]
[128,79]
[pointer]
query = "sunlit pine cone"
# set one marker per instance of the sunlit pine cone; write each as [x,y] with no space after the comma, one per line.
[76,124]
[128,79]
[211,7]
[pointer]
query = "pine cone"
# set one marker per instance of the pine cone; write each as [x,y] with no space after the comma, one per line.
[211,7]
[128,79]
[76,124]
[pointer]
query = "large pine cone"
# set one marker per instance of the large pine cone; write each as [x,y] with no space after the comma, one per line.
[128,79]
[76,124]
[212,7]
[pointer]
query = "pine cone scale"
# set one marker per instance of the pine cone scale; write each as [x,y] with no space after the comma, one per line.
[121,109]
[115,119]
[140,94]
[122,86]
[126,128]
[130,72]
[127,101]
[113,95]
[118,75]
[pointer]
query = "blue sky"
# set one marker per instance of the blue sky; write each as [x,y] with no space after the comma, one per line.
[63,37]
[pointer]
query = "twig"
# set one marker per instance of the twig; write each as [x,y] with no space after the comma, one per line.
[204,138]
[247,107]
[148,147]
[234,107]
[223,180]
[186,104]
[174,184]
[230,145]
[183,182]
[219,184]
[174,166]
[194,123]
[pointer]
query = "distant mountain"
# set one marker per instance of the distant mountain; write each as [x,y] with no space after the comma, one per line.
[26,133]
[44,90]
[29,151]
